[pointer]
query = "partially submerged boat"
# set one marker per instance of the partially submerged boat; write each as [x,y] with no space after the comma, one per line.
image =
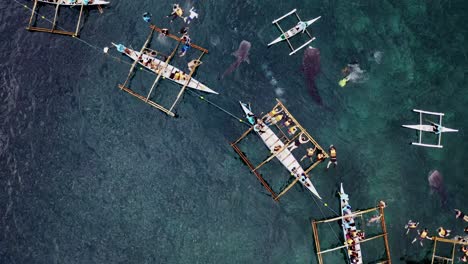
[349,227]
[285,156]
[153,64]
[75,2]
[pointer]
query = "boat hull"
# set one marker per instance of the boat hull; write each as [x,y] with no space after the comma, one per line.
[343,202]
[169,72]
[285,156]
[429,128]
[294,31]
[75,3]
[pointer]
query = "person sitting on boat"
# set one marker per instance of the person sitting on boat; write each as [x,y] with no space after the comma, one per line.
[176,12]
[258,127]
[443,232]
[186,45]
[436,129]
[310,153]
[332,157]
[361,235]
[251,118]
[193,63]
[191,16]
[421,236]
[147,17]
[288,122]
[274,116]
[459,214]
[411,225]
[292,130]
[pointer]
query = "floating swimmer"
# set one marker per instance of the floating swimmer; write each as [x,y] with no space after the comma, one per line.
[147,17]
[192,16]
[354,73]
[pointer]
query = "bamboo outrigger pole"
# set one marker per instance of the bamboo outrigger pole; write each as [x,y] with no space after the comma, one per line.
[161,71]
[454,243]
[136,61]
[187,82]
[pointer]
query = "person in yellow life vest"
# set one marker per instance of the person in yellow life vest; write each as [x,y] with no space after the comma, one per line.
[411,225]
[421,236]
[320,156]
[332,157]
[292,130]
[274,116]
[177,76]
[310,154]
[176,12]
[443,232]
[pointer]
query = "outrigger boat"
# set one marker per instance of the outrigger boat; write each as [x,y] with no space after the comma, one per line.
[148,60]
[435,128]
[346,210]
[286,158]
[75,2]
[301,27]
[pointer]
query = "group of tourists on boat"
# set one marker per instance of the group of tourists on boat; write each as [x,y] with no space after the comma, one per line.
[352,235]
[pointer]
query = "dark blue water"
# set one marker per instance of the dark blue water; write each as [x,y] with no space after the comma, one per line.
[89,174]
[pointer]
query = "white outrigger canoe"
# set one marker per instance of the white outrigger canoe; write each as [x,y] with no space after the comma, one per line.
[155,65]
[344,198]
[301,27]
[75,2]
[286,158]
[435,128]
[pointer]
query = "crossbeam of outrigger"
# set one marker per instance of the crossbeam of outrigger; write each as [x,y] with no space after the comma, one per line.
[163,68]
[58,4]
[280,147]
[444,259]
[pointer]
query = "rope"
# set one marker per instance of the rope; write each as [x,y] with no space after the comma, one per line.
[201,97]
[323,214]
[140,68]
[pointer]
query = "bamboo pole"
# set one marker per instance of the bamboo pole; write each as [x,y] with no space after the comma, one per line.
[33,12]
[186,83]
[142,98]
[153,27]
[348,215]
[384,228]
[136,61]
[259,177]
[79,20]
[317,241]
[287,188]
[313,166]
[362,241]
[302,129]
[161,71]
[243,136]
[55,16]
[453,252]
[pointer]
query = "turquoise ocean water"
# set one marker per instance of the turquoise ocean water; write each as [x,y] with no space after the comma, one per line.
[89,174]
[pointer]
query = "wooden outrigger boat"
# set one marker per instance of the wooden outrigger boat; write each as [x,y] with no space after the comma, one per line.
[301,27]
[281,147]
[346,214]
[63,3]
[75,2]
[435,128]
[148,60]
[285,156]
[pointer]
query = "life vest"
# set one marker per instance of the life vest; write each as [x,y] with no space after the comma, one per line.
[292,130]
[333,153]
[442,232]
[310,152]
[278,118]
[423,234]
[177,76]
[179,11]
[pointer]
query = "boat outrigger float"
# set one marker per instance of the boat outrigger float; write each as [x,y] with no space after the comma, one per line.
[301,27]
[155,62]
[432,127]
[281,147]
[63,3]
